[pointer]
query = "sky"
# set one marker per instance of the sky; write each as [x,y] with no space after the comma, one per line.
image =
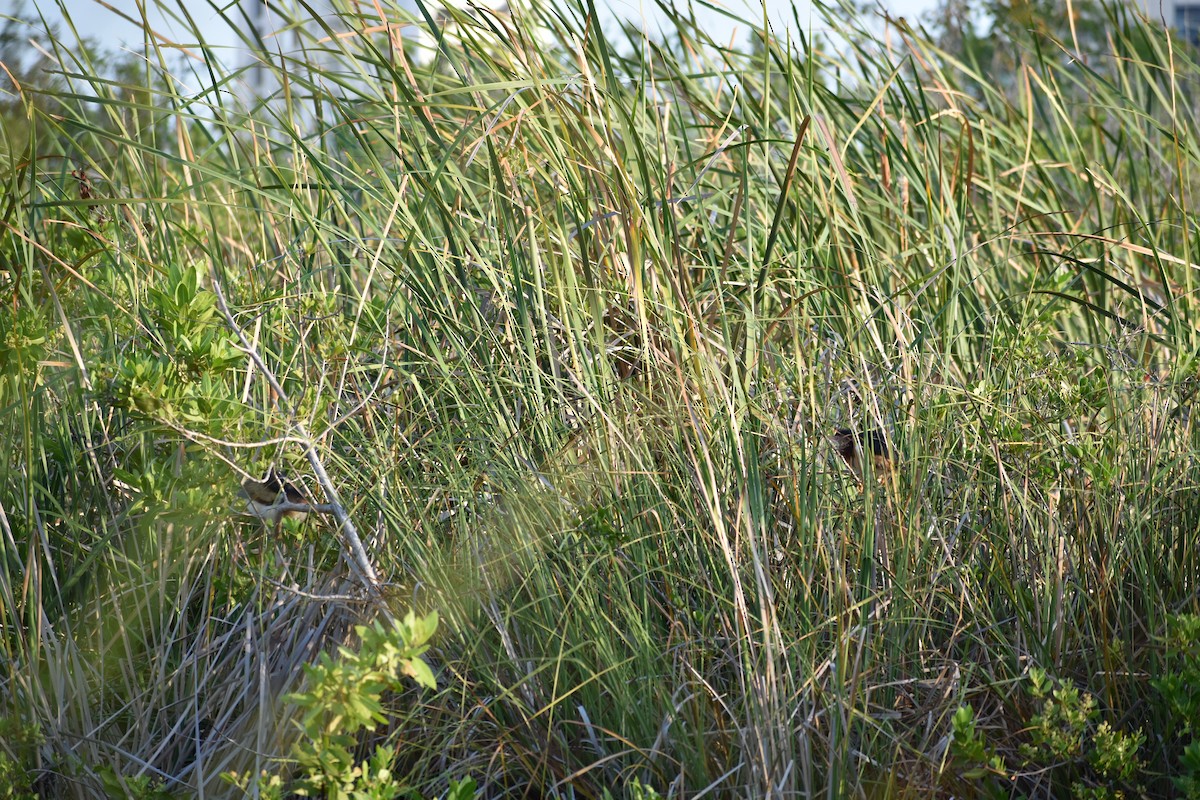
[93,19]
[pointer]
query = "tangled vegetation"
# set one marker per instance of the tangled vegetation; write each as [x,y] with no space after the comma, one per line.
[557,321]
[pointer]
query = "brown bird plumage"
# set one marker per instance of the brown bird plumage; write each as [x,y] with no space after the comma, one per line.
[273,498]
[851,445]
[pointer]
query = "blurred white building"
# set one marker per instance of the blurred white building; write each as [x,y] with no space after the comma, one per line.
[1182,15]
[278,37]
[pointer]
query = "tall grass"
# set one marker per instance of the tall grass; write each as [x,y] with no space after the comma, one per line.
[570,315]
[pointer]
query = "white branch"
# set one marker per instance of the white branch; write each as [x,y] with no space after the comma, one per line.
[359,558]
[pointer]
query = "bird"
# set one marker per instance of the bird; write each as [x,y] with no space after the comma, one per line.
[850,445]
[274,499]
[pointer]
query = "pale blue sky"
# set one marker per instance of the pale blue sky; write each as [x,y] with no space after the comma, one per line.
[94,20]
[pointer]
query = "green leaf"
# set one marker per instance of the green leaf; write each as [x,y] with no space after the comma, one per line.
[420,672]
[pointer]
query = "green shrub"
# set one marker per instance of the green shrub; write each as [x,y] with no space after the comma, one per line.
[342,701]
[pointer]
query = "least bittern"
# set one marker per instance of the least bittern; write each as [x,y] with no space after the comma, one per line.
[852,446]
[274,498]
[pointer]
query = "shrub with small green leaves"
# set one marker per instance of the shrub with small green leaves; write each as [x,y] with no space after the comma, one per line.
[24,340]
[1065,738]
[636,790]
[181,351]
[1179,689]
[18,741]
[143,383]
[132,787]
[1059,730]
[1188,782]
[185,318]
[461,790]
[1114,754]
[344,699]
[968,749]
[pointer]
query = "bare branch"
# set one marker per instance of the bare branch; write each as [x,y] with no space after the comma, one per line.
[359,558]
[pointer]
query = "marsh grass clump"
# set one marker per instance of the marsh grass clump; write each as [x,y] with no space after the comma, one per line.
[559,325]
